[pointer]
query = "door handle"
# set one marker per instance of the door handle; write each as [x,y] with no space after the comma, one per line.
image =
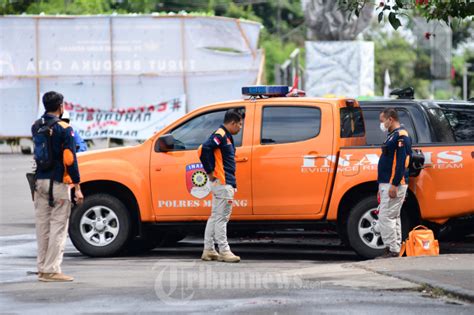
[243,159]
[157,169]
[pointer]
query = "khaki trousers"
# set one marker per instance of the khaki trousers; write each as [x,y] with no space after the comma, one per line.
[389,216]
[216,227]
[51,224]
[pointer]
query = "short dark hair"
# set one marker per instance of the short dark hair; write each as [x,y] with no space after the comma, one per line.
[52,101]
[232,116]
[390,113]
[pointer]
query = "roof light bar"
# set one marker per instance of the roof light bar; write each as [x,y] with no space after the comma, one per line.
[265,90]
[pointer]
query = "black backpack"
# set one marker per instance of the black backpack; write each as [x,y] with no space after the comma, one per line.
[43,147]
[43,150]
[417,161]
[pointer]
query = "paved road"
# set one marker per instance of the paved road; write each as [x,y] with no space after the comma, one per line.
[280,273]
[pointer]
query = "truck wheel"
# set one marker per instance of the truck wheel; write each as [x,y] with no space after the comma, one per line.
[100,227]
[362,228]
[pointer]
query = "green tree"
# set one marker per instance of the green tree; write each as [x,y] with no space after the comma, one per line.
[458,63]
[72,7]
[407,65]
[441,10]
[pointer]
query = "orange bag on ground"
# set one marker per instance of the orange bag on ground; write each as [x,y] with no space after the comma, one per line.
[420,242]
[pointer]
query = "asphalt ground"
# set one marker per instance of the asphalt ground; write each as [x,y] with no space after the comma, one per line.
[173,279]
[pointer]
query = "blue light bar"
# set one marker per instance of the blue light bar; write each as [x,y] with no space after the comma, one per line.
[265,90]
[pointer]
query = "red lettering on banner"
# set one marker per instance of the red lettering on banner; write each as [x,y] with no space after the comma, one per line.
[102,125]
[162,106]
[68,106]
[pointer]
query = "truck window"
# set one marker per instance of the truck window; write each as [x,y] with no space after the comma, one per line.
[281,124]
[441,127]
[374,135]
[462,122]
[191,134]
[352,122]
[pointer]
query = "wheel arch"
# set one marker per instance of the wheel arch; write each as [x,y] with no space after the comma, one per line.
[122,193]
[411,206]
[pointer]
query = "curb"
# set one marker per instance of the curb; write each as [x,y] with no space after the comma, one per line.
[460,293]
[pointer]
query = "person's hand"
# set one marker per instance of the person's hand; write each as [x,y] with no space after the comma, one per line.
[79,197]
[211,177]
[393,191]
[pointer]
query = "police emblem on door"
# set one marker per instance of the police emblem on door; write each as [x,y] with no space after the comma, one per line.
[197,182]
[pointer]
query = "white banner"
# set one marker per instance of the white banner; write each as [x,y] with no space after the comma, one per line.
[137,123]
[119,60]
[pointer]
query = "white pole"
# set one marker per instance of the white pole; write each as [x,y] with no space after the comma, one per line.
[464,82]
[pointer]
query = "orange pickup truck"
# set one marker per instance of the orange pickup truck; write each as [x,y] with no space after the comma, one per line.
[300,161]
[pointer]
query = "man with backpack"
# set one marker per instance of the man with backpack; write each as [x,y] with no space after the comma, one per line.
[393,180]
[81,145]
[56,170]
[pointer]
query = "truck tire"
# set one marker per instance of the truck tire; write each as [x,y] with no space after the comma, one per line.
[360,223]
[100,227]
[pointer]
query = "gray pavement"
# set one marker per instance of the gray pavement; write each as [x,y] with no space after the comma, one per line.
[280,273]
[453,273]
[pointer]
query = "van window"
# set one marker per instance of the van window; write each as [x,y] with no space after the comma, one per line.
[285,124]
[374,135]
[352,122]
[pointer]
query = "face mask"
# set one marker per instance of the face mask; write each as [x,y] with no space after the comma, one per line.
[383,128]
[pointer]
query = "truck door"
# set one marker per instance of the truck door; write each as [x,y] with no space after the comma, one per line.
[290,145]
[178,182]
[445,187]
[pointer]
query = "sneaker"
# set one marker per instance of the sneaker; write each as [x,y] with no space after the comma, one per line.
[55,277]
[209,254]
[228,256]
[388,254]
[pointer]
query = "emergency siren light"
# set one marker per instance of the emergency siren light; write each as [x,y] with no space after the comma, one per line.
[264,91]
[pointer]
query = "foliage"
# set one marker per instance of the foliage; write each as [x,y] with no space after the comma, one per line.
[407,65]
[276,52]
[458,64]
[440,10]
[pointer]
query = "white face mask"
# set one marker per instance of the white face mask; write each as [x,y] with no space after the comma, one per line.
[383,128]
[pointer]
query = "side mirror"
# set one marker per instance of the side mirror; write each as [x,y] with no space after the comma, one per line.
[165,143]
